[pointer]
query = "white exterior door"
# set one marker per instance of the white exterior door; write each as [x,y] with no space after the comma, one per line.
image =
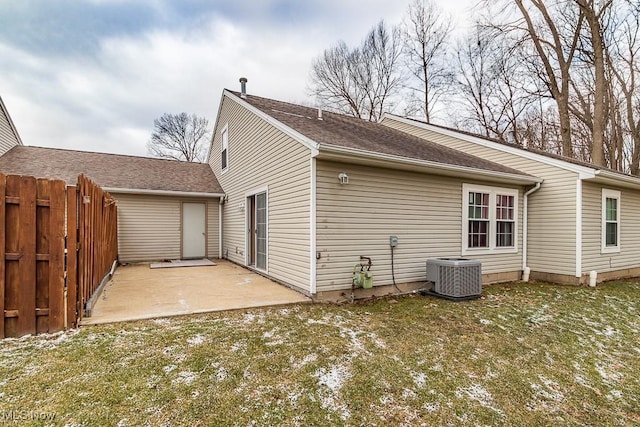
[193,230]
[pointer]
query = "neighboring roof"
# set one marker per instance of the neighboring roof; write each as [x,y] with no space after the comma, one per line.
[569,163]
[14,131]
[351,134]
[111,171]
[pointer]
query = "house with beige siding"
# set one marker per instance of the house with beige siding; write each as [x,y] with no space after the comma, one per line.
[299,195]
[307,192]
[583,221]
[166,209]
[9,136]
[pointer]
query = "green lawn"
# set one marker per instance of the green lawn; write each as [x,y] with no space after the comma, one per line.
[523,354]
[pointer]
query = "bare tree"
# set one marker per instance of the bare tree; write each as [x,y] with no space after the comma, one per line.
[555,42]
[426,35]
[179,137]
[362,81]
[496,92]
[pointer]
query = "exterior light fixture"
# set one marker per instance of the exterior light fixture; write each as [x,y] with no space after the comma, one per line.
[343,178]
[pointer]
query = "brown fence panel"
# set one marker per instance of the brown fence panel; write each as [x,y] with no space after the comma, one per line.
[50,228]
[31,255]
[72,257]
[98,238]
[33,266]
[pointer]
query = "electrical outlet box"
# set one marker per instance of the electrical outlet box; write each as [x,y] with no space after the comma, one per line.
[393,241]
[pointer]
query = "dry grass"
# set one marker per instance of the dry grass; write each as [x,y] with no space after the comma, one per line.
[522,355]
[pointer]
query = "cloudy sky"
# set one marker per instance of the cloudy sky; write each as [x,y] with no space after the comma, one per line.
[93,74]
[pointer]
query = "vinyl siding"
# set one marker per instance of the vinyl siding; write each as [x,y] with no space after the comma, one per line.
[423,211]
[8,139]
[149,227]
[552,209]
[260,155]
[592,258]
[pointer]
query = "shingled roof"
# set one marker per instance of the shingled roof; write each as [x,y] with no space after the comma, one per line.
[353,133]
[111,170]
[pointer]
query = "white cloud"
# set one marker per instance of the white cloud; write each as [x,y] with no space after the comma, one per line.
[106,100]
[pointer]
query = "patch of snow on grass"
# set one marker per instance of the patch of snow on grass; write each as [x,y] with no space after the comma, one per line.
[249,318]
[431,407]
[309,358]
[331,382]
[196,340]
[271,334]
[238,346]
[122,422]
[419,378]
[609,331]
[539,317]
[377,341]
[607,374]
[614,394]
[221,372]
[547,395]
[185,377]
[479,394]
[153,381]
[169,368]
[408,394]
[162,322]
[294,396]
[486,321]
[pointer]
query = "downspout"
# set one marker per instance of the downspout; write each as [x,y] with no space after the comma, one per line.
[525,229]
[579,227]
[222,200]
[312,227]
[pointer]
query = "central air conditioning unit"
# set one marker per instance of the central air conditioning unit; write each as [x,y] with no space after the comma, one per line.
[455,278]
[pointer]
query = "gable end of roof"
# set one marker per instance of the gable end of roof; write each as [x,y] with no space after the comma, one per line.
[307,142]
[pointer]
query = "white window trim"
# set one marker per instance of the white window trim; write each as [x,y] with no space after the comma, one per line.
[225,130]
[610,194]
[492,191]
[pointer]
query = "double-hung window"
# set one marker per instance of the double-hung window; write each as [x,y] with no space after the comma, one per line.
[225,148]
[489,219]
[610,221]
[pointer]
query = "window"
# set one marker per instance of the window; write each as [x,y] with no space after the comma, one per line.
[490,216]
[225,148]
[610,221]
[505,220]
[478,220]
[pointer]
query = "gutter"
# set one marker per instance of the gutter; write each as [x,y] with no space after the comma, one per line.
[626,179]
[525,223]
[161,192]
[453,170]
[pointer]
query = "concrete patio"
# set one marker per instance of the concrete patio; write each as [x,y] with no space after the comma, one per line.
[139,292]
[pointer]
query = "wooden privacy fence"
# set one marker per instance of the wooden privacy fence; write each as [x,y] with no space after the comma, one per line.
[98,237]
[54,242]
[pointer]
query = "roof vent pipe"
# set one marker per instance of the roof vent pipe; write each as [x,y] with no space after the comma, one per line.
[243,87]
[319,113]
